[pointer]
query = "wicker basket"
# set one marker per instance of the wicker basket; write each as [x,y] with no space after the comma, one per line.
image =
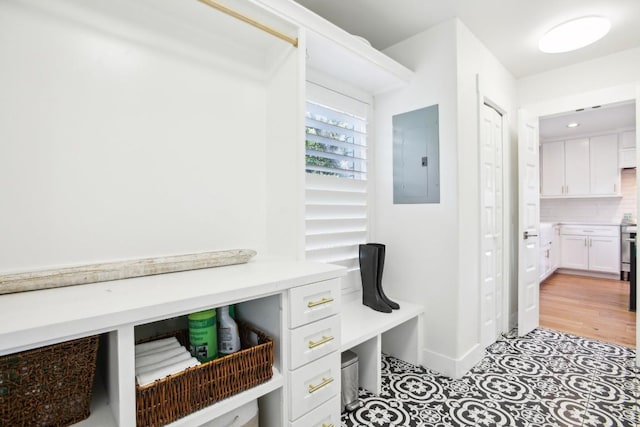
[178,395]
[48,386]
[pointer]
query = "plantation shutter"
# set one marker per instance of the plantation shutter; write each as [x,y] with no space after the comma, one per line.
[336,215]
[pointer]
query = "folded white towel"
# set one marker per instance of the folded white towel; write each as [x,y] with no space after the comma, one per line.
[149,358]
[158,374]
[153,346]
[183,355]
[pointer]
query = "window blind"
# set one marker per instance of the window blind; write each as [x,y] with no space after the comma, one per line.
[336,215]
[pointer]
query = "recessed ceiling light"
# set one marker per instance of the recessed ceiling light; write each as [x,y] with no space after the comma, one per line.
[573,125]
[574,34]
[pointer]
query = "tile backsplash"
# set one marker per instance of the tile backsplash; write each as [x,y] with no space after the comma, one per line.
[599,210]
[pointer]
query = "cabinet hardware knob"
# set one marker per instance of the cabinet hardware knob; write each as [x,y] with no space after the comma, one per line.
[325,381]
[324,340]
[324,300]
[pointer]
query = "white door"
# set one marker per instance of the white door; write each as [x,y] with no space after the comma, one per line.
[491,199]
[528,223]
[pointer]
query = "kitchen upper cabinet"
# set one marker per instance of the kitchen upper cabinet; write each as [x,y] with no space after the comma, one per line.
[576,170]
[604,172]
[628,149]
[582,167]
[552,169]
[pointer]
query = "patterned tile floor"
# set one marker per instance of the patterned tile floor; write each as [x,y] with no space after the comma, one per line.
[544,379]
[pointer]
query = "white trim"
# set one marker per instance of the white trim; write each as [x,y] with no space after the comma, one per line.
[454,368]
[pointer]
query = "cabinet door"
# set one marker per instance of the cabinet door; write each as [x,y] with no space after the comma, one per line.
[628,149]
[574,252]
[604,172]
[552,169]
[576,172]
[628,139]
[604,254]
[554,259]
[544,261]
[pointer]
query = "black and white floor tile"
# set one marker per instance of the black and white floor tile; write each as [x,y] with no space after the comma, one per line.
[544,379]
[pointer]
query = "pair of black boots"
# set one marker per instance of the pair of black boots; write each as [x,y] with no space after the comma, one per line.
[371,267]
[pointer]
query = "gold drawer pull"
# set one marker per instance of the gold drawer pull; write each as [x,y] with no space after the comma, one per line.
[324,340]
[327,425]
[324,300]
[314,388]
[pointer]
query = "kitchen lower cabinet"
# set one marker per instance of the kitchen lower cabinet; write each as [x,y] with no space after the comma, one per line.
[604,254]
[575,252]
[590,248]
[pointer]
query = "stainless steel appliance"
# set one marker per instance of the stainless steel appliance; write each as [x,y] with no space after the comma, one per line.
[625,249]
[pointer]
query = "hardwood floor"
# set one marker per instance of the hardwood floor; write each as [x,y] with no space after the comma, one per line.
[588,307]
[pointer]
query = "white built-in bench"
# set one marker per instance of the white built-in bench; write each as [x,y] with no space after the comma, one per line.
[368,333]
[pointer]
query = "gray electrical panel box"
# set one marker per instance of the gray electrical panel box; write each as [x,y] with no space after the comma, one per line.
[416,162]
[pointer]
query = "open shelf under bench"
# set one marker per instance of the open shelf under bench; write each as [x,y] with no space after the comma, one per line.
[369,333]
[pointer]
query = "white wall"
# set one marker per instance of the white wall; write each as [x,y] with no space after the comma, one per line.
[115,148]
[621,69]
[422,243]
[433,249]
[496,85]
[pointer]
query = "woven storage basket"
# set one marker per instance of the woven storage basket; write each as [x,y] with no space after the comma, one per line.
[48,386]
[178,395]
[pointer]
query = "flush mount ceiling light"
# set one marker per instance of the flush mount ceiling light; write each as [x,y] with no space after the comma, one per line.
[574,34]
[573,125]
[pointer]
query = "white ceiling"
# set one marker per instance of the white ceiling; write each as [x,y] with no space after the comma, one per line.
[591,121]
[508,28]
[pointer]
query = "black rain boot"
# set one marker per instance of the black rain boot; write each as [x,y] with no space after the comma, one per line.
[369,274]
[381,251]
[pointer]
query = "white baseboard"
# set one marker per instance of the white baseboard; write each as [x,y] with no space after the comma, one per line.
[613,276]
[454,368]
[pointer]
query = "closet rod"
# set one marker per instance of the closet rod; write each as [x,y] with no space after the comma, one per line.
[214,4]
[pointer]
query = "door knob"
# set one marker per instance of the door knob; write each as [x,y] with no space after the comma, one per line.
[527,235]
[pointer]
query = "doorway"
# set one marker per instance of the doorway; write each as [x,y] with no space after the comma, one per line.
[585,194]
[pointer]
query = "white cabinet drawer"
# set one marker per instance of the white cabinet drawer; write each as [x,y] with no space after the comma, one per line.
[314,302]
[590,230]
[326,415]
[314,384]
[312,341]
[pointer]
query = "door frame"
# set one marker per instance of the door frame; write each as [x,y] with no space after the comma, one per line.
[599,97]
